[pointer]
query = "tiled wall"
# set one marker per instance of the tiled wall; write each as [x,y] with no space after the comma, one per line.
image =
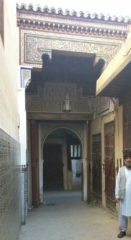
[10,186]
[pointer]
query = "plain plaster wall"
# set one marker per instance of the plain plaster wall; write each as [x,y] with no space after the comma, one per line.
[9,59]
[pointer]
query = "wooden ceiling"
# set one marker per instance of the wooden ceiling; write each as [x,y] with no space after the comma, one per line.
[68,67]
[120,86]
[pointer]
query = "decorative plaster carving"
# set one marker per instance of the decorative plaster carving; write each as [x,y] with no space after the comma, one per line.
[50,99]
[37,42]
[47,128]
[115,102]
[58,90]
[82,105]
[92,101]
[60,35]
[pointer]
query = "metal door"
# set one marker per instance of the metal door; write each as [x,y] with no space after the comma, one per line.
[109,165]
[96,168]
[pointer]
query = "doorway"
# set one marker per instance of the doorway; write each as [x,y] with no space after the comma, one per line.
[52,167]
[96,169]
[109,165]
[76,164]
[62,167]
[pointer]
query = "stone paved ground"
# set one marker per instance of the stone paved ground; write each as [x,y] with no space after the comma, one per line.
[64,216]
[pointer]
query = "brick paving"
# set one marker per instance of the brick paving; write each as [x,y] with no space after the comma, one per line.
[64,216]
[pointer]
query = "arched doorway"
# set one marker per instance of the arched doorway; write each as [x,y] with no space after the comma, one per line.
[39,134]
[62,165]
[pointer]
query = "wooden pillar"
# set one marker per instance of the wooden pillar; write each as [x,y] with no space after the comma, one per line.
[88,162]
[35,163]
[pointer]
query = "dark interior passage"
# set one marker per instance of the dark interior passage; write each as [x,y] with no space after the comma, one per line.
[53,167]
[62,167]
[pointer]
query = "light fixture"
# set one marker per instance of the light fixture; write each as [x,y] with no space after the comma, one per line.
[67,103]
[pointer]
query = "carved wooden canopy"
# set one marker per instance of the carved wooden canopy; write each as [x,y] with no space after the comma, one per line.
[68,68]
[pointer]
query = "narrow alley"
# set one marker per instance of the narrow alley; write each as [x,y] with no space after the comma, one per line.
[64,216]
[65,118]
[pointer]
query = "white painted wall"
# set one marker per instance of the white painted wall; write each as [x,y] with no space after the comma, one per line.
[22,124]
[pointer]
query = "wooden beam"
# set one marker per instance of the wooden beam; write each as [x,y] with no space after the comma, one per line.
[35,164]
[119,62]
[60,116]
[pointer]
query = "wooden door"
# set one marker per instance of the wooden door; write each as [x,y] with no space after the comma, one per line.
[96,168]
[109,165]
[52,167]
[127,126]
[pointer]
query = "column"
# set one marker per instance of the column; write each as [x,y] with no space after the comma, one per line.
[34,162]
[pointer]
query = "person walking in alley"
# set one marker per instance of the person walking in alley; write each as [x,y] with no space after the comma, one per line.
[123,194]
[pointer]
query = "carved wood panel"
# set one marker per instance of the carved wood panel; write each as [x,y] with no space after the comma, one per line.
[96,168]
[109,165]
[127,126]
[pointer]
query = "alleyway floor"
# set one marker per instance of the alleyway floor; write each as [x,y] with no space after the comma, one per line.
[64,216]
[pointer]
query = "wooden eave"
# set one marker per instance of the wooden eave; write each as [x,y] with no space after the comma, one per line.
[89,24]
[72,14]
[115,81]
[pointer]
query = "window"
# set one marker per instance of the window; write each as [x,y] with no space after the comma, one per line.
[25,76]
[75,151]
